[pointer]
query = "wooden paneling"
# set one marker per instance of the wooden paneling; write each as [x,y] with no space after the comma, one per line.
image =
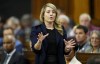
[37,5]
[63,5]
[72,8]
[96,17]
[97,9]
[80,6]
[84,57]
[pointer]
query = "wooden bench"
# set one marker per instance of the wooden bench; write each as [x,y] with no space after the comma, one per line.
[83,57]
[30,56]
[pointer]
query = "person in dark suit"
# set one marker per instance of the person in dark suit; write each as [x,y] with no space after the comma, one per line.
[18,44]
[49,38]
[11,56]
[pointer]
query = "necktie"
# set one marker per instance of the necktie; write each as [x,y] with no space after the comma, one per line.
[5,61]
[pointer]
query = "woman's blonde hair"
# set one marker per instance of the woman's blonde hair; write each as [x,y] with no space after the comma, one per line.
[57,25]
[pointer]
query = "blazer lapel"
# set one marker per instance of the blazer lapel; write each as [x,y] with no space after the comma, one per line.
[3,58]
[13,58]
[43,29]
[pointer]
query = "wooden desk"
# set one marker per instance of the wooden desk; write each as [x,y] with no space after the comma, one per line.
[83,57]
[30,56]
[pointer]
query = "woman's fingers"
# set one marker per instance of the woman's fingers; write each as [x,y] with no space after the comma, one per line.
[69,42]
[41,37]
[46,35]
[71,47]
[41,34]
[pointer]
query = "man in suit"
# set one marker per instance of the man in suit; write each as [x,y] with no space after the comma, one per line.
[81,38]
[18,45]
[11,56]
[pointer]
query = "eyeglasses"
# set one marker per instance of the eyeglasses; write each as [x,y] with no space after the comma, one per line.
[97,38]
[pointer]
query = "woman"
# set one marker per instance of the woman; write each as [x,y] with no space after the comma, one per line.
[49,37]
[94,42]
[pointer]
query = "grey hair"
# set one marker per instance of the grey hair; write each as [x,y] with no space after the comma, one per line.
[14,19]
[64,17]
[96,32]
[86,15]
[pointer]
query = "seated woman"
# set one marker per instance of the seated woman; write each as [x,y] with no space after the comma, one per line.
[94,42]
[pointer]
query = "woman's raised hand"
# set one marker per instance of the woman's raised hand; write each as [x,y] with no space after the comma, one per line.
[69,44]
[41,37]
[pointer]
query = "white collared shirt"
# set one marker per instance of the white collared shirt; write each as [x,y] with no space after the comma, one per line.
[74,61]
[11,53]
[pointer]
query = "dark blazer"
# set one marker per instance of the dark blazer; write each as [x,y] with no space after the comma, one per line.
[41,54]
[15,59]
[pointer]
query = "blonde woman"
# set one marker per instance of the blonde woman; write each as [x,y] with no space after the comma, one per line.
[48,38]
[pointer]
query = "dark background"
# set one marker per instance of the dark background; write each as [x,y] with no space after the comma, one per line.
[14,8]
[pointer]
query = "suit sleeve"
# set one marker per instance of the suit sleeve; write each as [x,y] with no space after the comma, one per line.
[65,37]
[33,37]
[64,34]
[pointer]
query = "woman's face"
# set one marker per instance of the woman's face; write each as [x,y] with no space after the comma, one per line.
[95,40]
[49,15]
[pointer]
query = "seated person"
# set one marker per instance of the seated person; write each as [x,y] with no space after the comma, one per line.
[71,59]
[85,20]
[95,42]
[11,56]
[81,38]
[65,22]
[18,45]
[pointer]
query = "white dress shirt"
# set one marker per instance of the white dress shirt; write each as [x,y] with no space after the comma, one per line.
[74,61]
